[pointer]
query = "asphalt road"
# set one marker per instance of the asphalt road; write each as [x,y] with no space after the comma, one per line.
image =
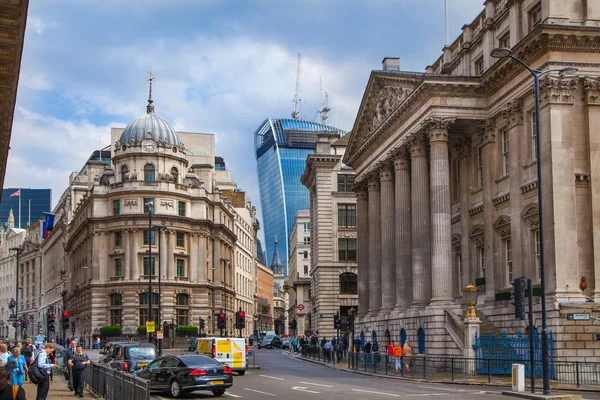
[281,376]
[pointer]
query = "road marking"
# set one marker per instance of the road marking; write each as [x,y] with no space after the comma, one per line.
[317,384]
[381,393]
[231,395]
[258,391]
[272,377]
[439,388]
[304,389]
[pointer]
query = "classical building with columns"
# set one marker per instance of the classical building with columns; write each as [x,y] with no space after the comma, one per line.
[446,178]
[300,281]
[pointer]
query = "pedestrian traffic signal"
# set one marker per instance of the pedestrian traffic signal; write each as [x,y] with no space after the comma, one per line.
[336,321]
[24,324]
[202,323]
[294,324]
[221,323]
[518,297]
[51,322]
[65,320]
[240,320]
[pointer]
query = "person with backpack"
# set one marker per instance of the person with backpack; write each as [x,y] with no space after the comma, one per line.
[8,391]
[42,362]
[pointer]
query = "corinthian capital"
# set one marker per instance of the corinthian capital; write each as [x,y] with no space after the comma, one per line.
[592,90]
[386,172]
[437,127]
[557,89]
[373,182]
[402,159]
[487,131]
[418,146]
[513,113]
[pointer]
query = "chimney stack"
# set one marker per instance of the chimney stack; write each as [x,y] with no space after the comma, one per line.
[391,64]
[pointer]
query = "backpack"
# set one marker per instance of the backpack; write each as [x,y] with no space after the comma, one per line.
[36,374]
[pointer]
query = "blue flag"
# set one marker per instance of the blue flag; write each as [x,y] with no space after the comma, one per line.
[43,230]
[49,221]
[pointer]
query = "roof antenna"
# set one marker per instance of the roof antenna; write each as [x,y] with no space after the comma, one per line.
[297,100]
[150,107]
[446,20]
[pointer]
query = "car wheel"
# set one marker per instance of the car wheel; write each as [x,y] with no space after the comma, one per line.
[241,373]
[219,392]
[175,389]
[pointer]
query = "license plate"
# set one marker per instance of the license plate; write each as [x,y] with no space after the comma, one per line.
[142,365]
[217,382]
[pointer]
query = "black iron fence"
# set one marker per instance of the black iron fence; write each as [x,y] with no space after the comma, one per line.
[111,384]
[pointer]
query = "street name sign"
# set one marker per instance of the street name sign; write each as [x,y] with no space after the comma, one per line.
[578,317]
[326,315]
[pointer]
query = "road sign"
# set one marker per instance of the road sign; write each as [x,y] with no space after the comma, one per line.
[150,327]
[159,335]
[578,317]
[250,353]
[300,307]
[326,315]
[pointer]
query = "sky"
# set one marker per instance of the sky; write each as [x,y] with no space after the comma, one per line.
[220,66]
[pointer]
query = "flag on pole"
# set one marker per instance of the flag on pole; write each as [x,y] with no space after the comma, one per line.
[49,221]
[43,230]
[17,193]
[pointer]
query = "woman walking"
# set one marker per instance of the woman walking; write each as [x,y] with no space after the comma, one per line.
[8,391]
[18,367]
[77,364]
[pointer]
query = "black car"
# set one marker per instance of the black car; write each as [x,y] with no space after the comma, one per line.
[131,357]
[180,375]
[108,352]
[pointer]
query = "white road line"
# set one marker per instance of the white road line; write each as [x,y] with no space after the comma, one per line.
[304,389]
[231,395]
[272,377]
[381,393]
[446,389]
[258,391]
[317,384]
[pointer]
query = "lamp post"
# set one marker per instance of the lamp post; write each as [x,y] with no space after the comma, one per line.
[18,251]
[503,52]
[149,206]
[225,261]
[159,229]
[470,295]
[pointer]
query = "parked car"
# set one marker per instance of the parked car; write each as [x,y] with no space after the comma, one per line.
[270,342]
[180,375]
[108,351]
[285,343]
[131,357]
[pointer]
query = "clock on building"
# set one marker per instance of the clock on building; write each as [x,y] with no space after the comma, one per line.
[148,145]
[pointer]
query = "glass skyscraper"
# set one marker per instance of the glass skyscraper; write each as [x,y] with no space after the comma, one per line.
[281,147]
[34,202]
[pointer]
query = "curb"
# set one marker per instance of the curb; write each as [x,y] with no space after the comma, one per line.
[541,396]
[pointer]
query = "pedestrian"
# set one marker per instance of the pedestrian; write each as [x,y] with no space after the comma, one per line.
[4,354]
[78,364]
[398,356]
[323,341]
[8,391]
[407,354]
[28,353]
[97,343]
[368,353]
[43,362]
[18,367]
[327,350]
[70,354]
[390,352]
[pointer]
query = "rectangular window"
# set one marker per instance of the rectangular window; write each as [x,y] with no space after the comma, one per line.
[180,268]
[180,239]
[505,40]
[118,239]
[480,167]
[181,208]
[146,206]
[149,237]
[505,154]
[306,270]
[345,183]
[118,267]
[346,215]
[147,266]
[508,257]
[115,317]
[144,315]
[116,207]
[535,16]
[478,65]
[347,249]
[533,137]
[306,239]
[306,227]
[481,261]
[183,317]
[305,255]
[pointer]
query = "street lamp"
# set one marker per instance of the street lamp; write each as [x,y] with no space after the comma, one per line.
[470,295]
[149,206]
[159,228]
[224,293]
[503,52]
[18,251]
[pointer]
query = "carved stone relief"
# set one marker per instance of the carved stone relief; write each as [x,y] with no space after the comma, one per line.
[557,89]
[513,113]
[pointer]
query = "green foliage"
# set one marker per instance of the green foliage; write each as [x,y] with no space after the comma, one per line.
[141,329]
[111,330]
[187,330]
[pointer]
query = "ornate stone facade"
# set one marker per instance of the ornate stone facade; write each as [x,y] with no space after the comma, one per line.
[464,151]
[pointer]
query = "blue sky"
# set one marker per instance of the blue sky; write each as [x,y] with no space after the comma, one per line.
[221,66]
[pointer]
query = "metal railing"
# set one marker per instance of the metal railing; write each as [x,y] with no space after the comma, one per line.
[575,373]
[111,384]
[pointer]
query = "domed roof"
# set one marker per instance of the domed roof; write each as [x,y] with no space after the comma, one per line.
[151,126]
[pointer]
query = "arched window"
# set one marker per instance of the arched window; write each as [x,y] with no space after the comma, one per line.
[402,337]
[421,336]
[124,172]
[149,173]
[116,300]
[144,299]
[175,174]
[348,283]
[183,299]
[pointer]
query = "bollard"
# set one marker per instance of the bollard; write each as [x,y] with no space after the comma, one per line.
[518,378]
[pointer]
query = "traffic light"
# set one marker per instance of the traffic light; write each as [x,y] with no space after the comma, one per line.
[336,321]
[51,322]
[240,320]
[221,322]
[294,324]
[65,320]
[518,297]
[24,324]
[202,323]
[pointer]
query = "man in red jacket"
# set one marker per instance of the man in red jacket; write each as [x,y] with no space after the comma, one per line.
[390,353]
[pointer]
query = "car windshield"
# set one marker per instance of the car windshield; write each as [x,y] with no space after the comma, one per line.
[146,352]
[196,361]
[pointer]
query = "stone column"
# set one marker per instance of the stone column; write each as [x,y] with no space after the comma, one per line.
[362,210]
[421,223]
[403,227]
[170,255]
[441,231]
[463,149]
[374,245]
[487,135]
[126,254]
[193,267]
[134,242]
[163,253]
[202,257]
[388,271]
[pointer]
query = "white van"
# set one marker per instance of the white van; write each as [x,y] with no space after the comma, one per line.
[232,352]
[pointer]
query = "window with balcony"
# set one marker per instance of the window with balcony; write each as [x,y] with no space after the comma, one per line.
[180,242]
[181,208]
[118,239]
[149,173]
[348,283]
[345,183]
[147,270]
[347,249]
[118,267]
[116,207]
[181,273]
[346,215]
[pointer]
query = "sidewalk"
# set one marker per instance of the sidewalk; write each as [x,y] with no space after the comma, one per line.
[58,390]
